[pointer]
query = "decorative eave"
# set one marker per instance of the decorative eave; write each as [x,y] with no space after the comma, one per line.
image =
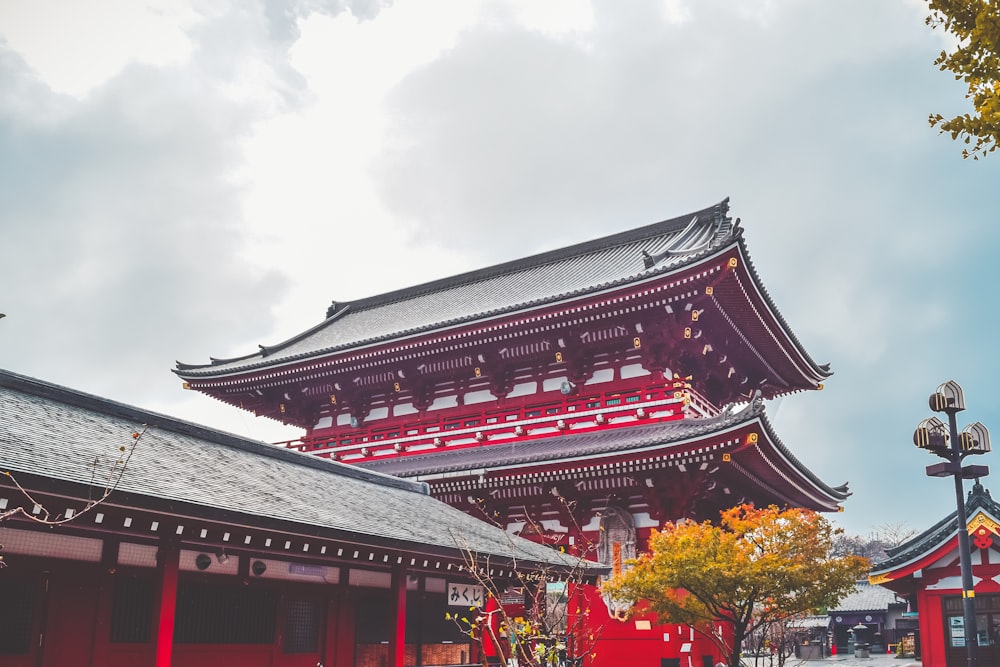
[937,541]
[743,439]
[782,334]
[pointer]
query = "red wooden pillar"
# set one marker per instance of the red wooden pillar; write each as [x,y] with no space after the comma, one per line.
[397,640]
[574,603]
[169,558]
[105,601]
[345,649]
[102,620]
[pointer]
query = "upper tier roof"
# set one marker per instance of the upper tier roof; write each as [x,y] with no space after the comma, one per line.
[549,277]
[51,432]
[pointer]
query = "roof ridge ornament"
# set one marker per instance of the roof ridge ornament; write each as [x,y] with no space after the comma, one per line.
[688,241]
[754,405]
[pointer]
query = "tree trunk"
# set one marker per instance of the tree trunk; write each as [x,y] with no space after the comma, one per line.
[739,634]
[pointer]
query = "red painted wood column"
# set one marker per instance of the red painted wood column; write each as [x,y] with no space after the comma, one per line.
[397,640]
[100,653]
[346,625]
[169,558]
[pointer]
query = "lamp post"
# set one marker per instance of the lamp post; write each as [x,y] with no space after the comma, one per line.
[949,444]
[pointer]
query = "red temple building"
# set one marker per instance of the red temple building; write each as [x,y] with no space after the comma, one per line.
[589,393]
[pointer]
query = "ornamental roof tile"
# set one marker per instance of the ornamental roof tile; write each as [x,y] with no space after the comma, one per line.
[599,444]
[548,277]
[49,431]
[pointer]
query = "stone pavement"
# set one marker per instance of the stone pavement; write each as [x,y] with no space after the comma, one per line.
[879,660]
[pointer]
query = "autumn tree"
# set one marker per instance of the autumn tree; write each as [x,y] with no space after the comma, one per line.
[975,60]
[752,570]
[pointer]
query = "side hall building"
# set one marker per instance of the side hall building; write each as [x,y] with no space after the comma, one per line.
[582,396]
[196,547]
[925,572]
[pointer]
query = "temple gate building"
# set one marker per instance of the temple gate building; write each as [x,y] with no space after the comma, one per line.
[581,396]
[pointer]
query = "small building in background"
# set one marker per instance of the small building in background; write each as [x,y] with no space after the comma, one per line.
[869,615]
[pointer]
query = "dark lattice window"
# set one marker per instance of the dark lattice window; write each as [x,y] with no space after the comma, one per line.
[426,620]
[302,619]
[17,609]
[132,610]
[220,614]
[373,617]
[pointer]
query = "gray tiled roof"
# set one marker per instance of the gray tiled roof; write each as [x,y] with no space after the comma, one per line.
[978,499]
[622,440]
[809,622]
[866,597]
[548,277]
[53,432]
[576,446]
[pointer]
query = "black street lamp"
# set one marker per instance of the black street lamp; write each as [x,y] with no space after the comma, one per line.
[949,444]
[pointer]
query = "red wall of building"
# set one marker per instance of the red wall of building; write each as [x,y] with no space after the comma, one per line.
[933,632]
[71,617]
[931,628]
[74,616]
[629,643]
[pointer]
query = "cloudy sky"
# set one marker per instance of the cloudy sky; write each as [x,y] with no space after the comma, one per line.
[186,179]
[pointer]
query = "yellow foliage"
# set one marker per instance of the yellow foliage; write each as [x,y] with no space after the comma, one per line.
[755,567]
[975,24]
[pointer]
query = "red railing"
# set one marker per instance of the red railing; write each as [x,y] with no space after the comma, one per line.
[533,416]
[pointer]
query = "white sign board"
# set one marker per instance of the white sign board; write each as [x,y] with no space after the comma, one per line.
[465,595]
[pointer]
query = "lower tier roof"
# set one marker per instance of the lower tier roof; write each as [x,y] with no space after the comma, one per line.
[743,440]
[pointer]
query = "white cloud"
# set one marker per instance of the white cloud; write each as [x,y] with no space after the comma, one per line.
[179,183]
[76,46]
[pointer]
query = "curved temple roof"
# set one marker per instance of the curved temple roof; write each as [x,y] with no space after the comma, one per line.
[549,277]
[779,469]
[904,559]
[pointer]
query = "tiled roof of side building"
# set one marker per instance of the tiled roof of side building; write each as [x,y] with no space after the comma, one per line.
[539,279]
[866,597]
[598,444]
[48,431]
[978,499]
